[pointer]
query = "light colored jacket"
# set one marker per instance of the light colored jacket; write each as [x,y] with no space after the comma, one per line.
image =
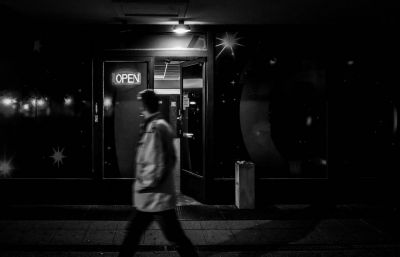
[154,188]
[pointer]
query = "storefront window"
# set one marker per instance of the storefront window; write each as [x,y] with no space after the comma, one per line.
[270,108]
[364,117]
[45,118]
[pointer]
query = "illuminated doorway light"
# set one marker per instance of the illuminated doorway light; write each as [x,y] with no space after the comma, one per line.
[164,91]
[181,28]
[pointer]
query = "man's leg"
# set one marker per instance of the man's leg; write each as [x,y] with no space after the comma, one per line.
[174,233]
[137,225]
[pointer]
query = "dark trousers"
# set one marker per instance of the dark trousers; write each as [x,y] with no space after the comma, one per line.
[169,225]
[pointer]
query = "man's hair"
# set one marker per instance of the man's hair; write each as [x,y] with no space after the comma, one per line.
[149,99]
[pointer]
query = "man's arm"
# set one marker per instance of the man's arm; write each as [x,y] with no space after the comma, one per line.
[154,163]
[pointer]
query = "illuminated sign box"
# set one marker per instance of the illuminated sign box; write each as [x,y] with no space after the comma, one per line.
[126,78]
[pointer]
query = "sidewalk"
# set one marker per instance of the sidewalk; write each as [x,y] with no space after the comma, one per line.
[291,230]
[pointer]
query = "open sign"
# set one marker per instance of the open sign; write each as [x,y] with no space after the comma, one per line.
[126,78]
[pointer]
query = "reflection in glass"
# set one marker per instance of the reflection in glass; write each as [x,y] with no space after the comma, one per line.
[192,108]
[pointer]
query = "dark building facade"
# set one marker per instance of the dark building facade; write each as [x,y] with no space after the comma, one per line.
[315,111]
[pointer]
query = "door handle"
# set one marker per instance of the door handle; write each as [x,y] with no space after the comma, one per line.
[96,115]
[188,135]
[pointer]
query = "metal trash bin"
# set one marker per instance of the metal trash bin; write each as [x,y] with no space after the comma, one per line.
[244,185]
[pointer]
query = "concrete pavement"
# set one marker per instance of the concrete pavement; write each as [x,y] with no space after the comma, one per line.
[292,230]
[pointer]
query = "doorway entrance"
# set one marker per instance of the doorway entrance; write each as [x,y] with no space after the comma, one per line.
[180,84]
[179,79]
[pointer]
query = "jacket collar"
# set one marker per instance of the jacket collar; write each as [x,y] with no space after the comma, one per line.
[152,117]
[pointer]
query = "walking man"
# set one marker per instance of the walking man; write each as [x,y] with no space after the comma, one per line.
[154,190]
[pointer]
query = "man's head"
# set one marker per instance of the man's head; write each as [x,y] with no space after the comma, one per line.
[149,102]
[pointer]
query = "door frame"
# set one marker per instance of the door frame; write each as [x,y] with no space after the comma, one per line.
[98,108]
[195,181]
[121,185]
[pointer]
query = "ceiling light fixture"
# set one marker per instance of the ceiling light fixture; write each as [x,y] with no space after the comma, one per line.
[181,28]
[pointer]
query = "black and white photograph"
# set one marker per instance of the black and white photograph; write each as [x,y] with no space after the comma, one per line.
[163,128]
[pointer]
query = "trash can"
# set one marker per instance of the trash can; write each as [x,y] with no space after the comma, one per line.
[244,185]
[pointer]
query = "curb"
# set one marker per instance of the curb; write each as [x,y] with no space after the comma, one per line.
[218,248]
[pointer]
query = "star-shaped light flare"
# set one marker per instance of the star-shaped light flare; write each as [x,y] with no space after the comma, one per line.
[228,42]
[58,156]
[6,168]
[37,45]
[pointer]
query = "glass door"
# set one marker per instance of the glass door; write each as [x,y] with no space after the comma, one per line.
[192,84]
[122,80]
